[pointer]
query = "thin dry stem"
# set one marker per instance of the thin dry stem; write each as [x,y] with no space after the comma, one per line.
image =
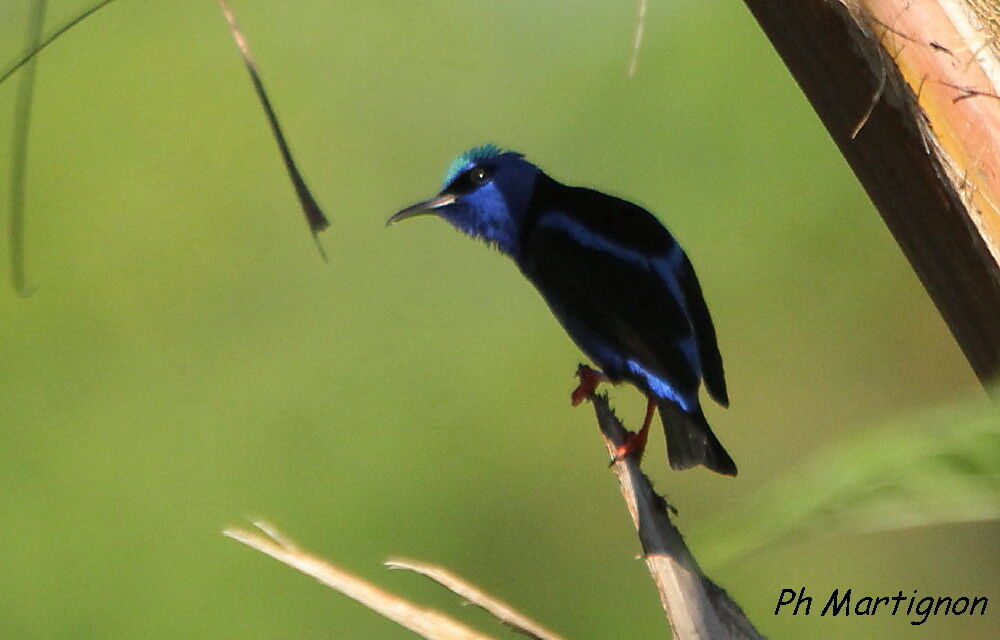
[500,610]
[314,215]
[425,622]
[640,26]
[19,154]
[30,55]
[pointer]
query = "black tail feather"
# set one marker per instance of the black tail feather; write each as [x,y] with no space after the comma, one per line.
[690,440]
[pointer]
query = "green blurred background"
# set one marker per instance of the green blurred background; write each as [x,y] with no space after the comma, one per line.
[188,361]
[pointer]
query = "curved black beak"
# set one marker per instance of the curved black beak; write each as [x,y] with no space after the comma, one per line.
[421,208]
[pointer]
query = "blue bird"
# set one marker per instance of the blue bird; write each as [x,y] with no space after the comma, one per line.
[613,276]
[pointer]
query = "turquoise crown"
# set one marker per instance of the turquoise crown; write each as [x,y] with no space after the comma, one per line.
[474,154]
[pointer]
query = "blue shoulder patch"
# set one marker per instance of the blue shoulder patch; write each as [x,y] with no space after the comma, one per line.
[472,155]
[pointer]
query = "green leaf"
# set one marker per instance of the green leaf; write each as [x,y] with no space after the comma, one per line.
[938,467]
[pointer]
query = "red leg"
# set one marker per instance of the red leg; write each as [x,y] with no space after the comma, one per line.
[635,444]
[589,379]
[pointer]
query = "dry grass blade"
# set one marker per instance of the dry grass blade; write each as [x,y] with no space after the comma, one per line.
[696,608]
[500,610]
[19,152]
[314,215]
[424,622]
[640,26]
[34,51]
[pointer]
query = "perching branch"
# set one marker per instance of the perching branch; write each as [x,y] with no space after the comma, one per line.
[696,608]
[910,92]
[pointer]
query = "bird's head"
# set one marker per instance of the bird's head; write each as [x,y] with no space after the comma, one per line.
[486,192]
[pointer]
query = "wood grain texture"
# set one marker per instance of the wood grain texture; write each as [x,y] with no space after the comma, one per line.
[889,84]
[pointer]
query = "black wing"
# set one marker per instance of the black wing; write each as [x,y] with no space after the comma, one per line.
[704,330]
[598,289]
[610,267]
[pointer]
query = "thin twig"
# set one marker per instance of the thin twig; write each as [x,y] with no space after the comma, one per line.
[55,35]
[640,25]
[696,608]
[474,595]
[314,215]
[19,153]
[425,622]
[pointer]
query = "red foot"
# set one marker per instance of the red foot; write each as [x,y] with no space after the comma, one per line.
[635,443]
[589,379]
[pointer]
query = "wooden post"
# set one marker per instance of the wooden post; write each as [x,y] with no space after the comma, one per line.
[910,92]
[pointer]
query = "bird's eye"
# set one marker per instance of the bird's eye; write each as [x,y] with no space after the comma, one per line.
[478,175]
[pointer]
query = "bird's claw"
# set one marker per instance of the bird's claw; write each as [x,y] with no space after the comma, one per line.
[634,445]
[589,379]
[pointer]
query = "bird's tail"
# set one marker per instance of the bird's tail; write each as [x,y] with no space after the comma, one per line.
[690,440]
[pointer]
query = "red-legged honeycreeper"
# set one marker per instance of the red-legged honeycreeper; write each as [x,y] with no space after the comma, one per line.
[613,276]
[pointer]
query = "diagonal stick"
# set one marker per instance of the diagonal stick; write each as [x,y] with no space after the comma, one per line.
[314,215]
[425,622]
[474,595]
[29,56]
